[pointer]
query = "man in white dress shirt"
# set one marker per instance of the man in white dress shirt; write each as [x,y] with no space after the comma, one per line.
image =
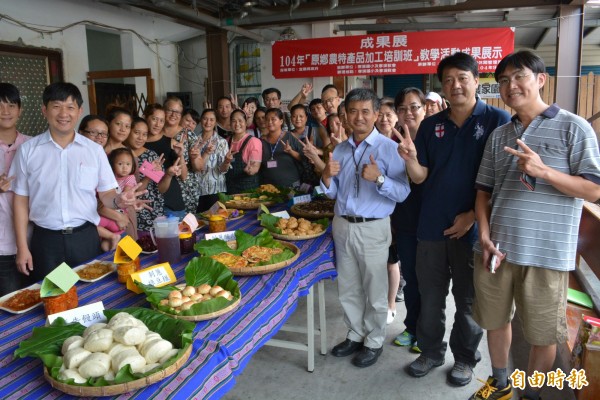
[57,176]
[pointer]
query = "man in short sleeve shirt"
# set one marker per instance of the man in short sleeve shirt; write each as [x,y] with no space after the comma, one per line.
[57,175]
[535,173]
[445,158]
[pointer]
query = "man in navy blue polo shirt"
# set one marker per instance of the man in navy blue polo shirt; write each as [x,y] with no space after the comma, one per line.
[445,158]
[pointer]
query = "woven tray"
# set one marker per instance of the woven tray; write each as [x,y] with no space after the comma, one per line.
[203,317]
[265,269]
[294,209]
[112,390]
[247,205]
[304,237]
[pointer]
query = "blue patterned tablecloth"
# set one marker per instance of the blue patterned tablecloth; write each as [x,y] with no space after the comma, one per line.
[222,346]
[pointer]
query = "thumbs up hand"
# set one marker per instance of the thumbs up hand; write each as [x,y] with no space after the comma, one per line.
[370,170]
[332,168]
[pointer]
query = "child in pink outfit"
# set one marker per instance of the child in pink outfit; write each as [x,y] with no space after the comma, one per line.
[123,165]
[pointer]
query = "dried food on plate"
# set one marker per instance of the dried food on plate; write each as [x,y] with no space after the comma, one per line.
[318,208]
[94,270]
[22,300]
[230,260]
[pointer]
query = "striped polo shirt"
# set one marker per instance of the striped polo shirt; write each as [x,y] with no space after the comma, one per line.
[538,228]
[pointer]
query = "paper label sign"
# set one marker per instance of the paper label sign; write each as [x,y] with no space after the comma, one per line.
[305,198]
[226,236]
[281,214]
[127,250]
[85,315]
[59,281]
[189,224]
[318,190]
[157,275]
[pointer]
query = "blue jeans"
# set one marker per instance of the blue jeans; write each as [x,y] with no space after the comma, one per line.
[406,245]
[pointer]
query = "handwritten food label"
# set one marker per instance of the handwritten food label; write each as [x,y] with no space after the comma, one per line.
[305,188]
[189,224]
[226,236]
[305,198]
[318,190]
[157,275]
[85,315]
[127,250]
[281,214]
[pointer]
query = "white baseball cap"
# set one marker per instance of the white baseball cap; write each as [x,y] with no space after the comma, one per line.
[433,96]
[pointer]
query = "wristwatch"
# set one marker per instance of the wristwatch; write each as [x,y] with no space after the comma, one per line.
[380,180]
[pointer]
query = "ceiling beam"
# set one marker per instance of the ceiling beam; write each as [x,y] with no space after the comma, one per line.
[347,9]
[545,33]
[421,26]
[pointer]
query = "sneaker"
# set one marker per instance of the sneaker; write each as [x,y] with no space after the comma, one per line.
[460,374]
[399,296]
[490,391]
[422,365]
[391,316]
[415,348]
[405,339]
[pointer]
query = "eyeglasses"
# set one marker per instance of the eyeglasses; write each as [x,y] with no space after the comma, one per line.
[412,108]
[176,112]
[96,133]
[506,80]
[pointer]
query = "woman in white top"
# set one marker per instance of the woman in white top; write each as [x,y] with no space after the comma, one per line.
[216,159]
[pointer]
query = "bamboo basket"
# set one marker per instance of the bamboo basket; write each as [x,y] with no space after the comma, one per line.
[112,390]
[296,211]
[303,237]
[203,317]
[265,269]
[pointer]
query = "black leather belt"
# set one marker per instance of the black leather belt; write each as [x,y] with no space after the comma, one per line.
[67,230]
[353,219]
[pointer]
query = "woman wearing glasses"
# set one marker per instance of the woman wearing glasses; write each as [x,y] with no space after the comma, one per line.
[95,128]
[410,105]
[173,107]
[119,126]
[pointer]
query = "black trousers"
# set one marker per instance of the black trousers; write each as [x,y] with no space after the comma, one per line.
[51,248]
[10,277]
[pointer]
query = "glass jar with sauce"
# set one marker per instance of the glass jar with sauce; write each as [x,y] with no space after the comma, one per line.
[186,243]
[126,269]
[216,223]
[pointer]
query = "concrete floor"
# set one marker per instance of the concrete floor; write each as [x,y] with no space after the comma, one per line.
[276,373]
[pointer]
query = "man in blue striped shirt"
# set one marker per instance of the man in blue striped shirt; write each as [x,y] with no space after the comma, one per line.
[534,175]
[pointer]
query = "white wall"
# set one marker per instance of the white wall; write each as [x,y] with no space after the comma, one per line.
[55,14]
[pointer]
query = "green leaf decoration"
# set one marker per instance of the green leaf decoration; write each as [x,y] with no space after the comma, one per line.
[270,222]
[46,343]
[199,270]
[48,339]
[223,197]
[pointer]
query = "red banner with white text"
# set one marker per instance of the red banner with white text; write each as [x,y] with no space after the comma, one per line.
[389,53]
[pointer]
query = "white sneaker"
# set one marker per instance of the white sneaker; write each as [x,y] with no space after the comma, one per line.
[391,316]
